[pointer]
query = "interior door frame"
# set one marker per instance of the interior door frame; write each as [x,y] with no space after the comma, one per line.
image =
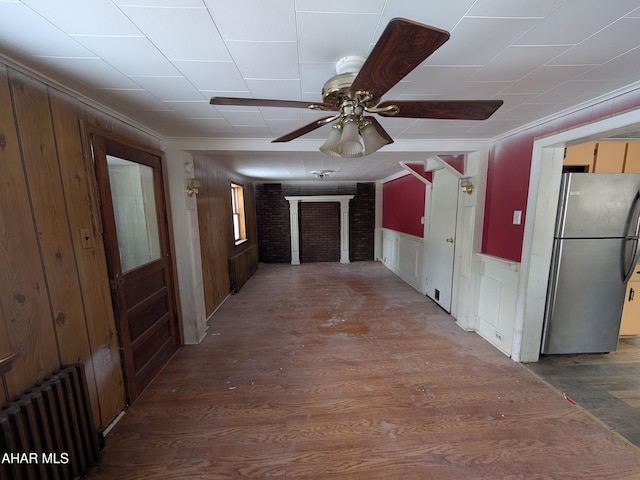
[167,240]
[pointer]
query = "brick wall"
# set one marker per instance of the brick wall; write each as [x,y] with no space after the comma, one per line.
[274,230]
[362,222]
[274,234]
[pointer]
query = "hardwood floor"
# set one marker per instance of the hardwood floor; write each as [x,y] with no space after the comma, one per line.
[606,385]
[332,371]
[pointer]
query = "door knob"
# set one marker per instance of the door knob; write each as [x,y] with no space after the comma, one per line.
[450,240]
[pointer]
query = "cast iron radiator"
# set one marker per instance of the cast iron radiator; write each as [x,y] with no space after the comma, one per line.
[242,266]
[48,432]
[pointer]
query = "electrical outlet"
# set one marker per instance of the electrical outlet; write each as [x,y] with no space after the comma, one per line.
[106,354]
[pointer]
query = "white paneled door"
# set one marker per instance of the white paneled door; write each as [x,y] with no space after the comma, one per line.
[441,240]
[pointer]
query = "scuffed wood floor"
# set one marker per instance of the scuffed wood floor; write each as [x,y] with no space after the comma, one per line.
[330,371]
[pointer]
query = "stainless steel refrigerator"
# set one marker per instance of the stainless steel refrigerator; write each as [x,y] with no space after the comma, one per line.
[594,253]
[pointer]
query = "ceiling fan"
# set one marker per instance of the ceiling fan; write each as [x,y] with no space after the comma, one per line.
[359,86]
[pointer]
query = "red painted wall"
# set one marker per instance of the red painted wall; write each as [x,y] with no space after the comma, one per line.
[456,161]
[403,205]
[509,168]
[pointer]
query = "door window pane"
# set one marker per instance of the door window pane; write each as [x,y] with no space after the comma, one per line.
[134,208]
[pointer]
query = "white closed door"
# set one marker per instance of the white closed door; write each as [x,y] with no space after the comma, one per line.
[442,237]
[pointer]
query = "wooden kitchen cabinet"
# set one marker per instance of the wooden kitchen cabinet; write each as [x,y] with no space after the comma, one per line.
[610,157]
[582,155]
[630,325]
[632,162]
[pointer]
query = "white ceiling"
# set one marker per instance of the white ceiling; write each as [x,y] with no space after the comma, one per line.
[158,62]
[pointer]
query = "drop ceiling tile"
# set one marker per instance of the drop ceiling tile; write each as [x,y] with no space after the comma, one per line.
[420,127]
[256,131]
[452,131]
[282,114]
[514,8]
[310,96]
[487,129]
[142,57]
[482,90]
[218,124]
[602,46]
[127,100]
[443,15]
[17,24]
[239,118]
[396,123]
[212,76]
[340,6]
[470,45]
[545,78]
[617,68]
[93,72]
[525,112]
[266,60]
[311,115]
[180,33]
[192,129]
[512,101]
[276,89]
[79,17]
[569,93]
[195,110]
[169,88]
[396,91]
[518,61]
[270,20]
[325,37]
[159,3]
[314,75]
[280,127]
[437,80]
[235,108]
[587,17]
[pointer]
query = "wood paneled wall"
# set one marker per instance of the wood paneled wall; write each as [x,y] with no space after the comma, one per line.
[216,227]
[55,299]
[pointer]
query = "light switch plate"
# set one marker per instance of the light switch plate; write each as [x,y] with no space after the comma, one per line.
[517,217]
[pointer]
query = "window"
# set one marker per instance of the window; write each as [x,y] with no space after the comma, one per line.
[134,209]
[237,211]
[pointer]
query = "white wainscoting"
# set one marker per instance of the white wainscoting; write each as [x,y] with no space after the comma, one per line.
[403,255]
[497,293]
[494,284]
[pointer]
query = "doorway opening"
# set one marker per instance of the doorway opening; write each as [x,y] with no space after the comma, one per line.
[544,190]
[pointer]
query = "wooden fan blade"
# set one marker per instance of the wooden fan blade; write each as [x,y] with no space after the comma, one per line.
[403,46]
[310,127]
[262,102]
[444,109]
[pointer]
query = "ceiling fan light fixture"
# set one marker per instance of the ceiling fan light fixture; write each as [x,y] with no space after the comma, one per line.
[331,145]
[321,174]
[360,84]
[350,145]
[373,141]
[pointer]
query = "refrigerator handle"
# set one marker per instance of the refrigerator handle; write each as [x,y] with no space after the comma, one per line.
[628,271]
